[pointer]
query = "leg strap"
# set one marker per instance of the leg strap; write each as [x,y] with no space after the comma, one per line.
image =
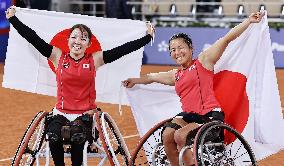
[172,125]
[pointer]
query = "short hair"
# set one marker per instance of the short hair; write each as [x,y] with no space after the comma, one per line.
[183,36]
[83,28]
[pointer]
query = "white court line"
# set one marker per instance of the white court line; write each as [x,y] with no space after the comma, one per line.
[126,137]
[131,136]
[6,159]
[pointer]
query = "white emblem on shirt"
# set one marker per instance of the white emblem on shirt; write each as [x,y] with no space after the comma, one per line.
[86,66]
[66,65]
[191,67]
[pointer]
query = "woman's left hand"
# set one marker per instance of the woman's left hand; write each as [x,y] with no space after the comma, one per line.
[256,17]
[150,29]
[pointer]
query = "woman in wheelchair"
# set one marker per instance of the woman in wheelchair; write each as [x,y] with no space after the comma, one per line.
[194,84]
[75,75]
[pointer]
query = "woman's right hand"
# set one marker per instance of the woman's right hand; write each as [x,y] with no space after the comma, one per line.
[129,83]
[256,17]
[10,12]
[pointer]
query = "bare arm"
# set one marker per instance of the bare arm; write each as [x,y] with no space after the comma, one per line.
[166,78]
[55,56]
[209,57]
[103,57]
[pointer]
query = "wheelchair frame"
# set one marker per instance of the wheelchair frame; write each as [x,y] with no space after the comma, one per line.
[106,125]
[34,144]
[221,152]
[148,153]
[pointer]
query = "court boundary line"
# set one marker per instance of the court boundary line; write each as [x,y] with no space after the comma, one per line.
[6,159]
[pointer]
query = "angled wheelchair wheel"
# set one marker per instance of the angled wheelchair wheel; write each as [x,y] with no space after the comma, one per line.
[150,149]
[31,141]
[212,147]
[112,140]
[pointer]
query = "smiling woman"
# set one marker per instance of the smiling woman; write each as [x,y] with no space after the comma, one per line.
[181,49]
[194,85]
[75,70]
[79,40]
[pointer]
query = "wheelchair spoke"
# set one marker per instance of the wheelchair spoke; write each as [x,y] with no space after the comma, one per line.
[212,155]
[213,151]
[157,139]
[237,152]
[150,150]
[231,145]
[240,155]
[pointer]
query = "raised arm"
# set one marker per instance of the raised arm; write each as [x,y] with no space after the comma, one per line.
[109,56]
[30,35]
[166,78]
[209,57]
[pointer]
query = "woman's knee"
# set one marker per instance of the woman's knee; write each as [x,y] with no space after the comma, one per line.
[179,138]
[168,136]
[181,134]
[54,125]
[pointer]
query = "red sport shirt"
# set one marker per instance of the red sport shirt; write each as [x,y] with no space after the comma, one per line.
[76,92]
[194,86]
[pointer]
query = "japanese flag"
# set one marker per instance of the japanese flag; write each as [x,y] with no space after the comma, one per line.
[26,69]
[244,84]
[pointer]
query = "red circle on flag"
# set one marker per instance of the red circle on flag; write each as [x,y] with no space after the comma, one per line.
[230,91]
[60,40]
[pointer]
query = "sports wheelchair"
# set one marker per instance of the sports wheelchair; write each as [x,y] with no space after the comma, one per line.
[213,144]
[107,143]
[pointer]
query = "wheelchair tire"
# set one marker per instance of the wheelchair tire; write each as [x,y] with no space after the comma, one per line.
[112,140]
[150,149]
[31,141]
[211,149]
[101,136]
[196,140]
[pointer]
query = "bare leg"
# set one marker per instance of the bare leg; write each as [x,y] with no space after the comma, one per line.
[170,146]
[180,139]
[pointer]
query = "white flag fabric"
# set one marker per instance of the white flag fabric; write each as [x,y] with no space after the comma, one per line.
[244,84]
[27,70]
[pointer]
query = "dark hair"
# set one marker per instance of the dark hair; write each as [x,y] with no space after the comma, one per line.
[83,28]
[183,36]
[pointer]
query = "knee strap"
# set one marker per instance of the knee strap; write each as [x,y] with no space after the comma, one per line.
[172,125]
[52,137]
